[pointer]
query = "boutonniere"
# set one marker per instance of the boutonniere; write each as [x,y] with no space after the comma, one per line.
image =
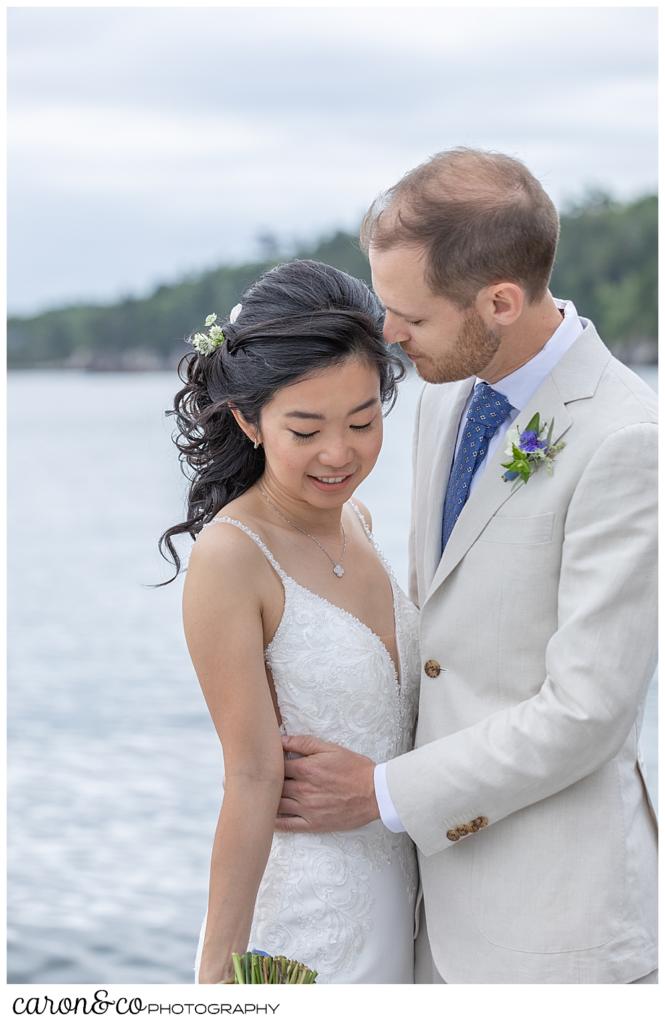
[528,449]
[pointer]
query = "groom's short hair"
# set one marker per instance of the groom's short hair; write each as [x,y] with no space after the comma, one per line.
[481,216]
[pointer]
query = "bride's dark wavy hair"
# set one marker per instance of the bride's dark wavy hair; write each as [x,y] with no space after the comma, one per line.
[296,320]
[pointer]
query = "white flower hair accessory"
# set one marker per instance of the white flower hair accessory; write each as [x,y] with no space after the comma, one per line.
[235,313]
[205,344]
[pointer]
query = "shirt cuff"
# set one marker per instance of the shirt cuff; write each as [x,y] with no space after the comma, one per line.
[387,810]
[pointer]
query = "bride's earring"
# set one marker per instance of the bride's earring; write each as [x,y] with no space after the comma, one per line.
[256,444]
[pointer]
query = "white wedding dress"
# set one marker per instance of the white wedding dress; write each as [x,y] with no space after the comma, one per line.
[341,902]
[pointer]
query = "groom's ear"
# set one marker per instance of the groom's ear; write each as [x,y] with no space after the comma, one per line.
[501,304]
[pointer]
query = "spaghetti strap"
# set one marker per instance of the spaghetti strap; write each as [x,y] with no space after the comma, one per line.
[372,539]
[362,519]
[257,540]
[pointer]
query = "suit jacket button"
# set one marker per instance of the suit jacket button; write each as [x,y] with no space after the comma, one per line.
[481,822]
[432,668]
[452,835]
[464,829]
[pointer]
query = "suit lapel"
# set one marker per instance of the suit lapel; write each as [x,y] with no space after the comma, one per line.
[575,377]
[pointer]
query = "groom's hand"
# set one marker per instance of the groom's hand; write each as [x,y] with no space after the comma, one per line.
[327,789]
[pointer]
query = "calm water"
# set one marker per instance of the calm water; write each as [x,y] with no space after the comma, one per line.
[115,768]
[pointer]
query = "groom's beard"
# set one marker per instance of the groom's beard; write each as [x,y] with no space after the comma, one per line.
[471,352]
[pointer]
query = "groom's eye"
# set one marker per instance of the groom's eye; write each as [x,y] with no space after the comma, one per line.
[414,323]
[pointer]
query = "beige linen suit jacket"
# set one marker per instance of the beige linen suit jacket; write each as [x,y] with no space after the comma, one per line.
[524,793]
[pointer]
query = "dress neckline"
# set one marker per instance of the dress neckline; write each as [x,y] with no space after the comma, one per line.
[285,577]
[353,618]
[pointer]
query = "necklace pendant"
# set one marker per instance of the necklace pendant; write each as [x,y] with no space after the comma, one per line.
[338,570]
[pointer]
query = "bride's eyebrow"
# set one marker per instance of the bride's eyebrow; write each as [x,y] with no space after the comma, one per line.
[317,416]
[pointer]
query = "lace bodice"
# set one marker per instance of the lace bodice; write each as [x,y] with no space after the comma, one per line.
[334,678]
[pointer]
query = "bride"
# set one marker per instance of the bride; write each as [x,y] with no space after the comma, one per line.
[294,621]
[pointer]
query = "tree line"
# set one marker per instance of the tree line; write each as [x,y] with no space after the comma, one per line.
[606,263]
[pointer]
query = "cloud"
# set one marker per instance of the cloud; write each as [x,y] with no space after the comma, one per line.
[182,124]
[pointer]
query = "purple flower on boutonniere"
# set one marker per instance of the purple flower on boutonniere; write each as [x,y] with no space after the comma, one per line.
[528,441]
[528,449]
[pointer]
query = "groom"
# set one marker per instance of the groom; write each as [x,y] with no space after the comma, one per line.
[524,793]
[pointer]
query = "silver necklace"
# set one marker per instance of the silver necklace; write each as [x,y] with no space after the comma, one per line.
[337,567]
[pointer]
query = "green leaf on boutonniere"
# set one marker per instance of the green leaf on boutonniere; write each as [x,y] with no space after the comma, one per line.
[521,463]
[534,423]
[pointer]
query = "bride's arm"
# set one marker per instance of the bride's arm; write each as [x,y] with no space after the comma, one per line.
[223,626]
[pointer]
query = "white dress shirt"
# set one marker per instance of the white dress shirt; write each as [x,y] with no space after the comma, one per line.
[517,387]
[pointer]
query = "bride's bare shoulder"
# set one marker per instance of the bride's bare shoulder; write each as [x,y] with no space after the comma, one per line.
[223,549]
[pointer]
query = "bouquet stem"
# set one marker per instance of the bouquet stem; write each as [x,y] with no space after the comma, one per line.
[259,969]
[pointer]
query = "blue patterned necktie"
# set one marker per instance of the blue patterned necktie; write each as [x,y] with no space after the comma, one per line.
[487,411]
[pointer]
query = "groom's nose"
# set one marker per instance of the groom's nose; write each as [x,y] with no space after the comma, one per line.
[394,330]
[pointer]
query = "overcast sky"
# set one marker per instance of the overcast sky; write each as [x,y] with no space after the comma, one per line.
[146,143]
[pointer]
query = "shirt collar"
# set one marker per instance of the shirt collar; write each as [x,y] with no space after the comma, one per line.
[521,384]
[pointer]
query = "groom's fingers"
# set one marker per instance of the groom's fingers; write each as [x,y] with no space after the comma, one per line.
[305,745]
[289,805]
[291,790]
[295,769]
[292,823]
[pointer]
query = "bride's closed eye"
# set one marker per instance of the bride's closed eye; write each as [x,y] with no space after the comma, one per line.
[303,437]
[354,426]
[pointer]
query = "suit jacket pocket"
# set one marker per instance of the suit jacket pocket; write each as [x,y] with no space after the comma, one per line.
[550,878]
[503,529]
